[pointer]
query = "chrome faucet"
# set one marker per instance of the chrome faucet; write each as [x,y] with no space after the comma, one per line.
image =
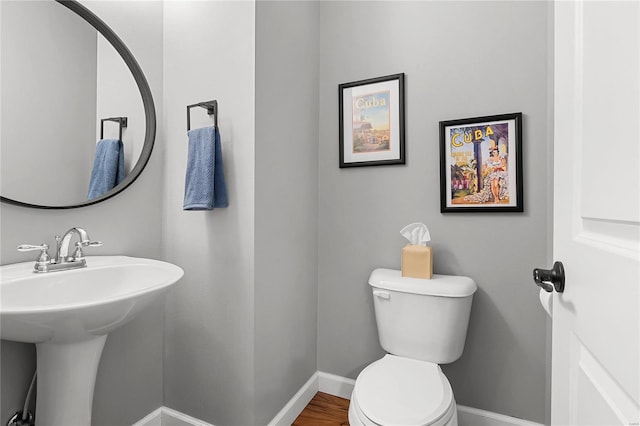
[62,260]
[62,244]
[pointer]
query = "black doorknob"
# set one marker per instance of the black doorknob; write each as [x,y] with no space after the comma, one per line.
[550,279]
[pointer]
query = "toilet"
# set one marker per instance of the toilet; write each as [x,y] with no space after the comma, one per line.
[421,324]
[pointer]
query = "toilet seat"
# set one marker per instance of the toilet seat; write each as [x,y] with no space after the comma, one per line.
[402,391]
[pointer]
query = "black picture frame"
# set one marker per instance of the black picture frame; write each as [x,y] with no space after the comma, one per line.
[481,164]
[371,122]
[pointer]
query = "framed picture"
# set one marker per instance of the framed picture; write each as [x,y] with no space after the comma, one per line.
[481,164]
[372,121]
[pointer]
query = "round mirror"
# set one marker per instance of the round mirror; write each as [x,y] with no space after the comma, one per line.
[77,122]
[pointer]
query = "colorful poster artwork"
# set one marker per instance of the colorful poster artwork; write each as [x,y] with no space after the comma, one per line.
[371,122]
[480,163]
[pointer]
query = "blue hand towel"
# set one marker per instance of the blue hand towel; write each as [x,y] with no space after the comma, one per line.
[108,167]
[205,188]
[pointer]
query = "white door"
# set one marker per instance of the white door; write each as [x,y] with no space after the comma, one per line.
[596,324]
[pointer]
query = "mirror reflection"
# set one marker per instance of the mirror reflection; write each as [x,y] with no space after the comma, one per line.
[59,78]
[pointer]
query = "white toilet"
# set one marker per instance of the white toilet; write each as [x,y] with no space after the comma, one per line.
[421,323]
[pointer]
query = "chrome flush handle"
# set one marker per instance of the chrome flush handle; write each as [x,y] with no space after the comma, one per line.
[382,294]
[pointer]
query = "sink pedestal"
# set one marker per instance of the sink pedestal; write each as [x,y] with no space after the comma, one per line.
[66,379]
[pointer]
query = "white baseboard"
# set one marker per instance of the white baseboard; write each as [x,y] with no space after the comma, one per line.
[319,382]
[468,416]
[152,419]
[333,385]
[296,404]
[165,416]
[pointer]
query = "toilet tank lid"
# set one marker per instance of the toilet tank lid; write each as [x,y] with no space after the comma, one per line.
[438,285]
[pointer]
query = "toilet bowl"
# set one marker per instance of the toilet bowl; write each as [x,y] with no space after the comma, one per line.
[402,391]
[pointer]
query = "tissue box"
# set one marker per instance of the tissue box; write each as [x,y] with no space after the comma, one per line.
[417,261]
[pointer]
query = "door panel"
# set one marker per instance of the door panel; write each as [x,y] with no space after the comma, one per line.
[596,324]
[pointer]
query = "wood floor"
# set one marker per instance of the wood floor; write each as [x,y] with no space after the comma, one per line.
[324,410]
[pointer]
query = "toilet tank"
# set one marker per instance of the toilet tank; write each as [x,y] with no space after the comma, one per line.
[422,319]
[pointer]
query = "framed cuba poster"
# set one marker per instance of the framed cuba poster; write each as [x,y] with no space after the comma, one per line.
[481,164]
[371,116]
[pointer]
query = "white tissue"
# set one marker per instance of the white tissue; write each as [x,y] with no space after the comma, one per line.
[416,233]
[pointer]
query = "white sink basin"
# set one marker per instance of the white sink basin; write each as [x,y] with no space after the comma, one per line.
[68,315]
[77,304]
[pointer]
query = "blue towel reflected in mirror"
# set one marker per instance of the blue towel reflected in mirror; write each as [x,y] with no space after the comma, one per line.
[108,167]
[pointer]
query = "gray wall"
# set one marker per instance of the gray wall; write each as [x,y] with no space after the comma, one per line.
[287,65]
[128,224]
[209,53]
[460,59]
[241,325]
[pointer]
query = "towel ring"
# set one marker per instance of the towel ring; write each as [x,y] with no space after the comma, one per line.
[210,106]
[122,123]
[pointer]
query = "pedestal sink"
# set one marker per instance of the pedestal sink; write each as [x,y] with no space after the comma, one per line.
[68,315]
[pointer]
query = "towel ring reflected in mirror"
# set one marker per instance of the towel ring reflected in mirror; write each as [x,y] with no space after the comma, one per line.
[147,101]
[122,123]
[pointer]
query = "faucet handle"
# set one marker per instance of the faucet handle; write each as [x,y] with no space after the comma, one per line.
[44,257]
[31,247]
[78,254]
[90,244]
